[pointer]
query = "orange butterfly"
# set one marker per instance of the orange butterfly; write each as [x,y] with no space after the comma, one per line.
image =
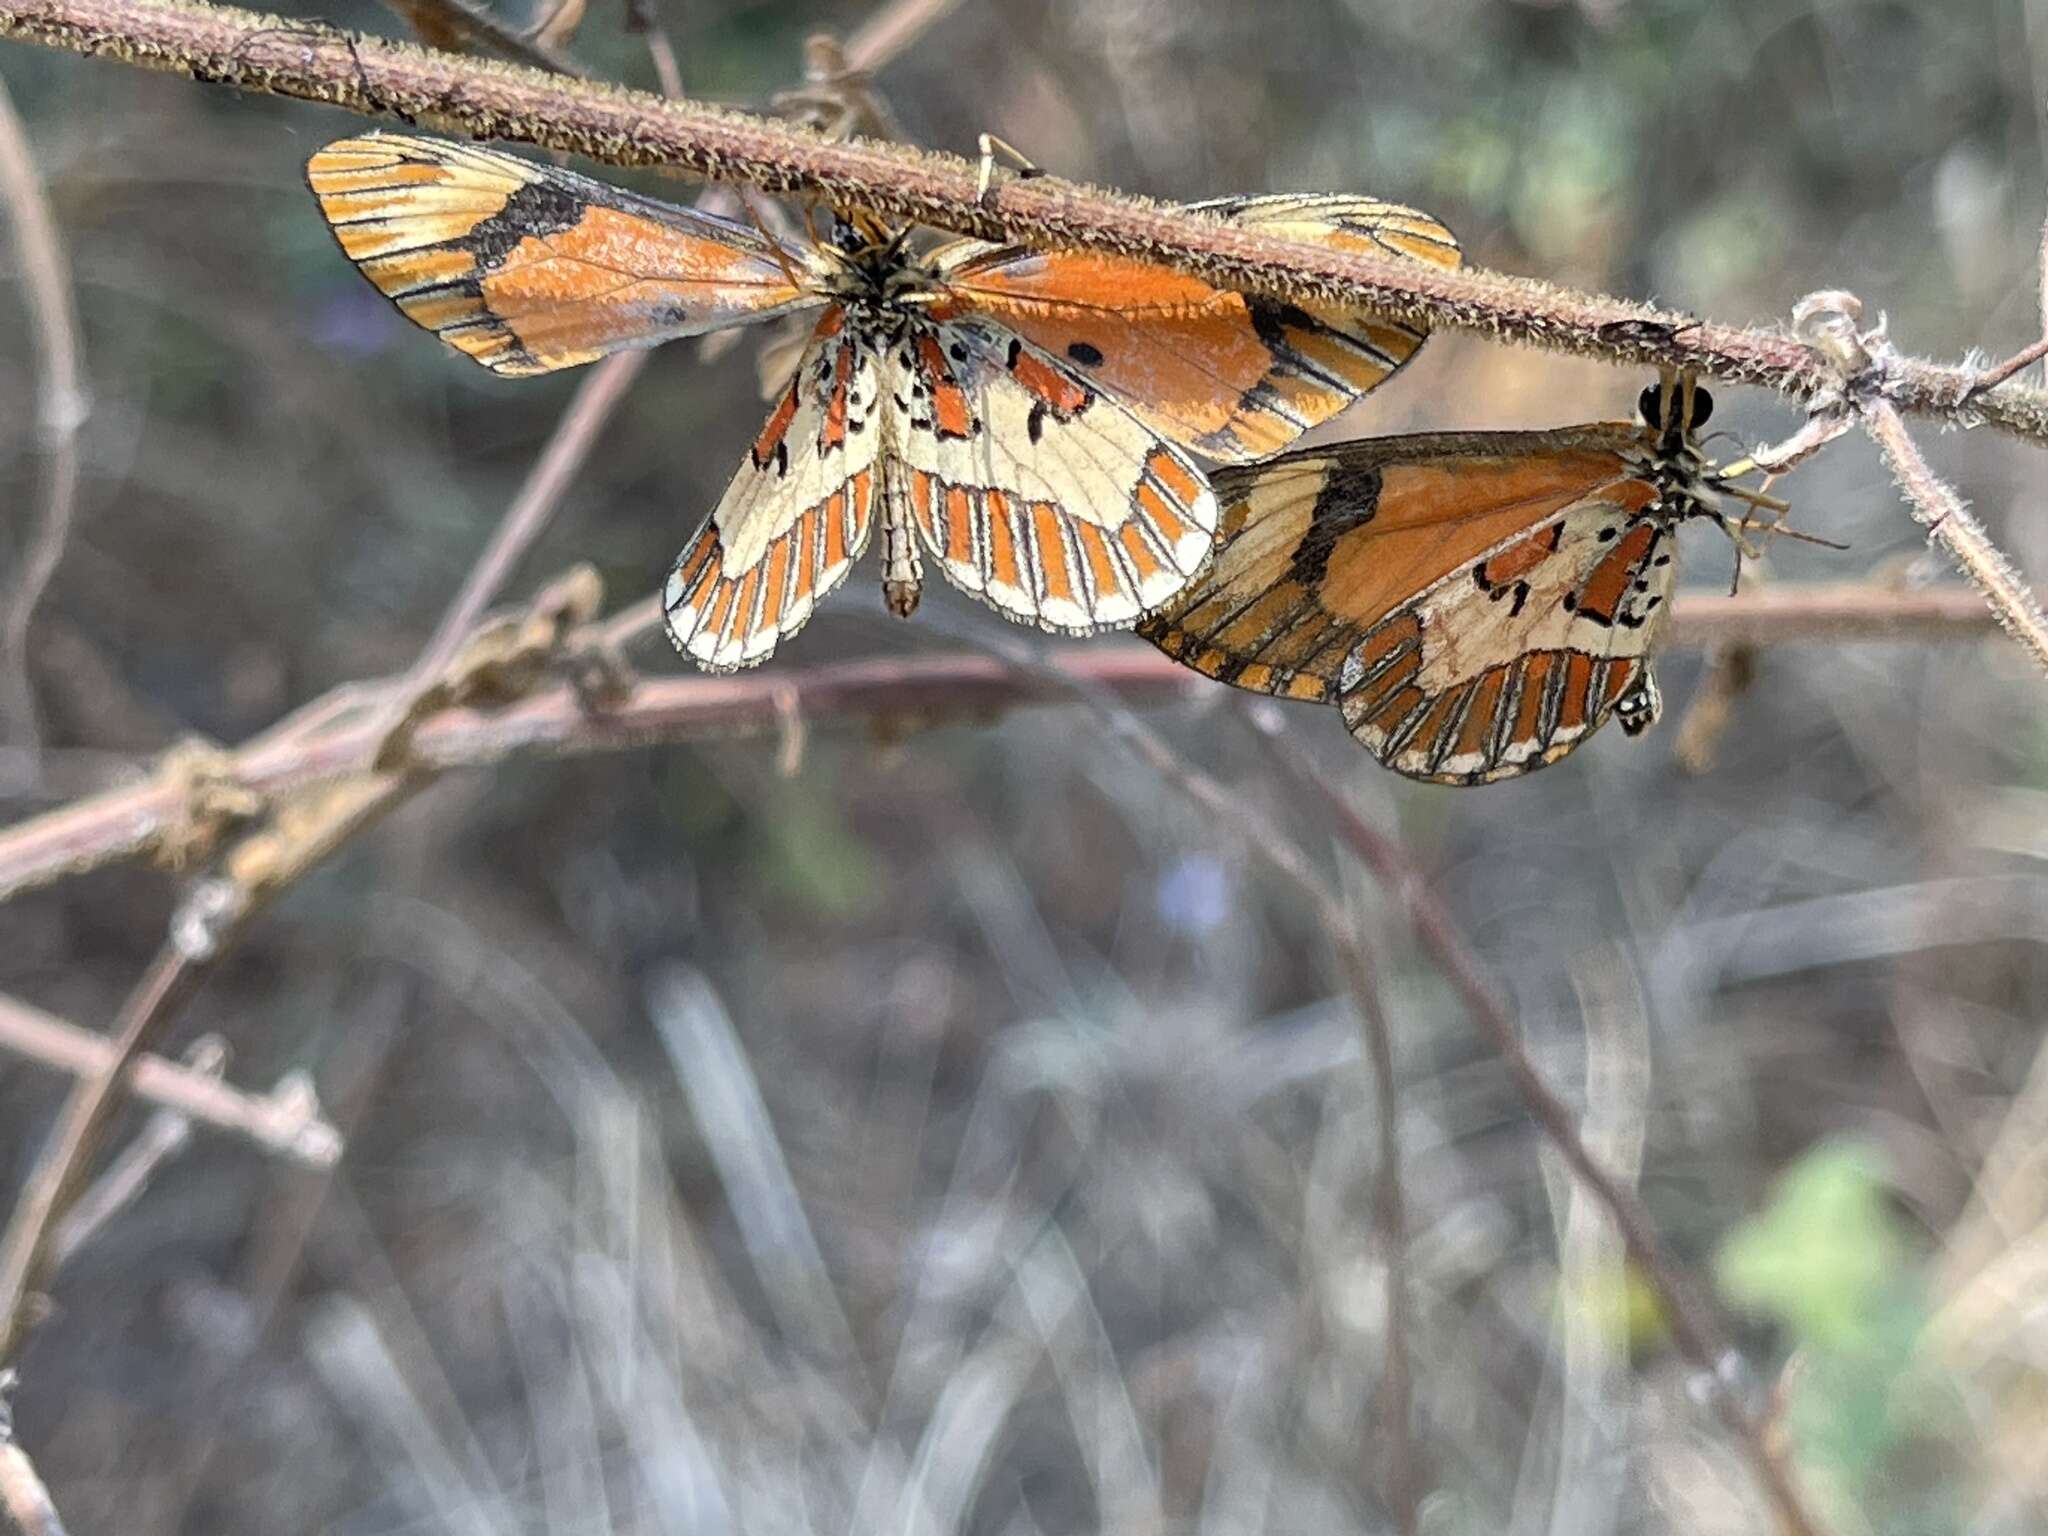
[1022,418]
[1477,603]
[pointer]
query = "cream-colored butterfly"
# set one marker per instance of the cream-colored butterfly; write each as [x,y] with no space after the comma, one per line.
[1022,419]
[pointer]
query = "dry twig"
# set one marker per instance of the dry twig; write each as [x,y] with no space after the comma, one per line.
[334,736]
[286,1120]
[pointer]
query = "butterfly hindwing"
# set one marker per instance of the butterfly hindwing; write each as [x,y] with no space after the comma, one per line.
[1231,375]
[1508,666]
[528,268]
[1032,489]
[1475,603]
[794,518]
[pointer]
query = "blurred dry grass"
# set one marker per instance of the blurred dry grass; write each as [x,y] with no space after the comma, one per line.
[961,1135]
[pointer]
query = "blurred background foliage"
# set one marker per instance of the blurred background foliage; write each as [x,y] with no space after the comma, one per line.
[960,1134]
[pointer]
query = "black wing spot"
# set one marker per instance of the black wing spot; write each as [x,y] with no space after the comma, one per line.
[1083,353]
[538,209]
[1272,319]
[1034,424]
[1349,498]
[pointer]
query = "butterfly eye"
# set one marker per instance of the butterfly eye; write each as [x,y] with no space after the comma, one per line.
[1650,408]
[1702,407]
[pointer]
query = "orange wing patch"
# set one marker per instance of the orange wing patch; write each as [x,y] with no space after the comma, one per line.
[1230,375]
[527,268]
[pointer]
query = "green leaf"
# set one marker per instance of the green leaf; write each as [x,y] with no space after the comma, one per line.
[1823,1255]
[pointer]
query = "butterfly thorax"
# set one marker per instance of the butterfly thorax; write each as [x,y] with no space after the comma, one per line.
[879,283]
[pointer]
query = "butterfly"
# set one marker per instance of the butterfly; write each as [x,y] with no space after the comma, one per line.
[1476,603]
[1024,420]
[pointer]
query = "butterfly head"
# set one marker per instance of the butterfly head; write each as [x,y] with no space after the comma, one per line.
[1670,414]
[1675,410]
[1692,486]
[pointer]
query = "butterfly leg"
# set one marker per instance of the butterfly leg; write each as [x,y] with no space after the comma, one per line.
[902,563]
[985,182]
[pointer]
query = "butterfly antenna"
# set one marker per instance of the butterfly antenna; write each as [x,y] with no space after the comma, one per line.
[775,248]
[1780,531]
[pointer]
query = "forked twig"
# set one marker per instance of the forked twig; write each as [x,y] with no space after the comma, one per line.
[286,1120]
[208,922]
[1864,373]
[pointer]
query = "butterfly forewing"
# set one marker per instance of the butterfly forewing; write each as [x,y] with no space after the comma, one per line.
[528,268]
[795,517]
[1231,375]
[1034,490]
[1476,603]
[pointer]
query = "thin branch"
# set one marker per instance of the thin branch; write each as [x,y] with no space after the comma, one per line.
[526,519]
[2026,357]
[286,1120]
[60,405]
[892,28]
[1690,1316]
[460,27]
[23,1498]
[252,52]
[128,1173]
[643,18]
[329,741]
[1390,1219]
[1937,507]
[26,1257]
